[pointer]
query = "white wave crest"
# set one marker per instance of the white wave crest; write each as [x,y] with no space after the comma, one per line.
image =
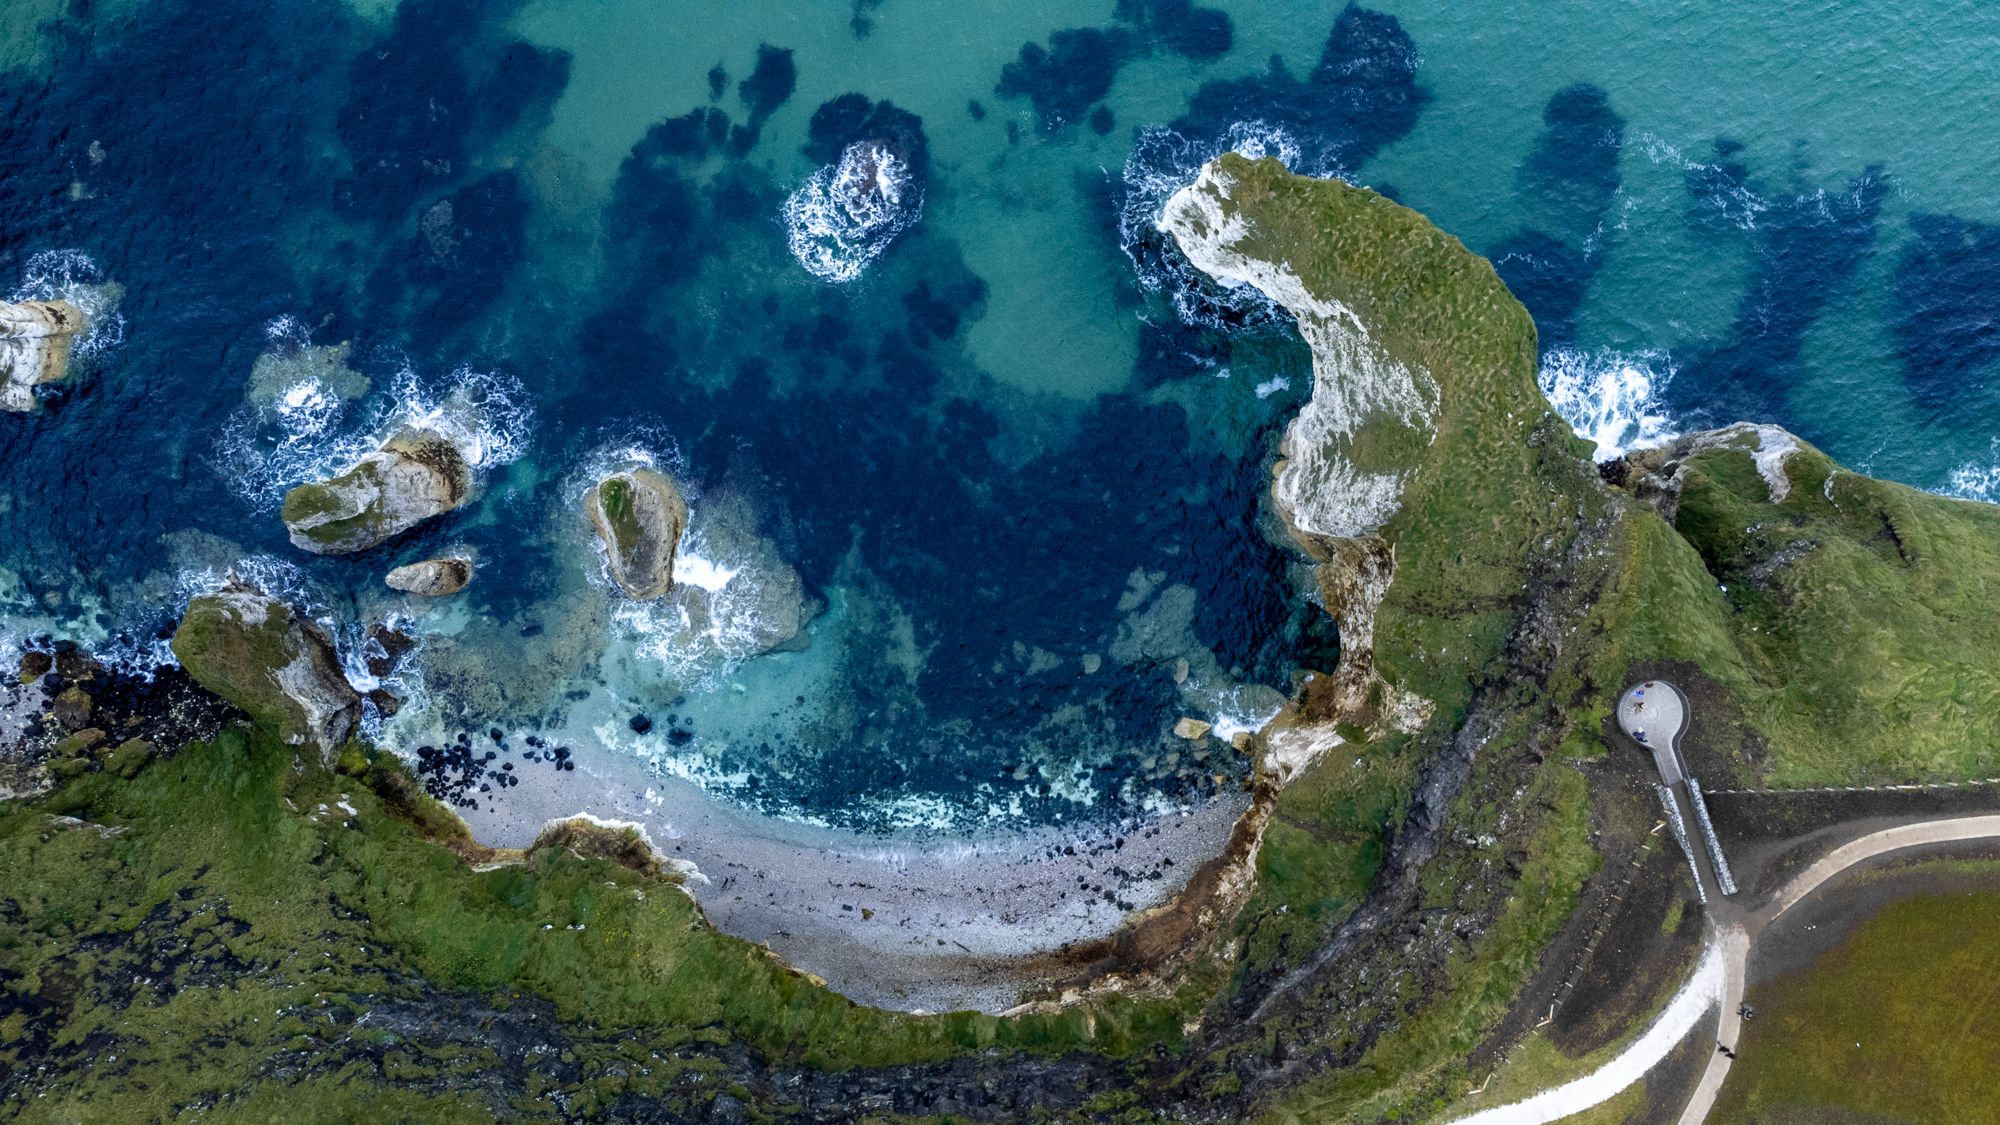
[1974,481]
[846,214]
[74,276]
[1612,398]
[307,429]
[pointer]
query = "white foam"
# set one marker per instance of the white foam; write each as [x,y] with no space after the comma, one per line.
[1611,398]
[846,214]
[692,570]
[308,432]
[1974,481]
[73,276]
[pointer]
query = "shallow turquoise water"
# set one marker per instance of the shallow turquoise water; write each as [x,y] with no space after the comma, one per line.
[1009,472]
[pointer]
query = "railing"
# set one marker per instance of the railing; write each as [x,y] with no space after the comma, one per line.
[1723,878]
[1679,826]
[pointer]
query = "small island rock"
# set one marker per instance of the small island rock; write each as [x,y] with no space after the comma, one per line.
[415,476]
[276,665]
[431,578]
[639,516]
[35,341]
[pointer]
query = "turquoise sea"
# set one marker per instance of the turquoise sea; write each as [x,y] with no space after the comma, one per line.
[977,464]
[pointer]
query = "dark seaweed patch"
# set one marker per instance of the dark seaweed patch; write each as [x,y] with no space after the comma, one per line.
[420,102]
[1806,245]
[1568,181]
[1947,321]
[769,86]
[1361,95]
[1180,26]
[1063,79]
[457,263]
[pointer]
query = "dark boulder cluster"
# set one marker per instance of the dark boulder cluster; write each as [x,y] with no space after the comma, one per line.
[460,771]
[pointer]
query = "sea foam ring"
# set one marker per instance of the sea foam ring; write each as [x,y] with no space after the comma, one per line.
[845,215]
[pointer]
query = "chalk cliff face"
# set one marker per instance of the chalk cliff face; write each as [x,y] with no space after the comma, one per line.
[35,342]
[416,475]
[639,516]
[276,665]
[1348,456]
[1351,449]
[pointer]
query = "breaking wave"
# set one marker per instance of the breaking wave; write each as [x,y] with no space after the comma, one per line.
[1974,481]
[1612,398]
[846,214]
[309,418]
[73,276]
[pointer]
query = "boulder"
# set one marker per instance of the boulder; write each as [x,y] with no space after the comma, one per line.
[271,662]
[639,516]
[35,341]
[415,476]
[432,578]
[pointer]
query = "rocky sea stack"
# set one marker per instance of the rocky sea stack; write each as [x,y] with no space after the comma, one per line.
[416,475]
[258,653]
[35,342]
[431,578]
[639,516]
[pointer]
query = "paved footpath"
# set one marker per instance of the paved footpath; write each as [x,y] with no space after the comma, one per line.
[1718,981]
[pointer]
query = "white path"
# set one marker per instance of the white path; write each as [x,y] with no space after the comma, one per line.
[1701,993]
[1718,981]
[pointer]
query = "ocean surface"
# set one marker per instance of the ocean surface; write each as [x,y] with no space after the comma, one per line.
[977,465]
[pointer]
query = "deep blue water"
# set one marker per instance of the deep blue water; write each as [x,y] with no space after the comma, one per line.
[442,188]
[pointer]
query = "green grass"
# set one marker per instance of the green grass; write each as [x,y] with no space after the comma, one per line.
[1399,1077]
[221,852]
[1900,1021]
[1854,622]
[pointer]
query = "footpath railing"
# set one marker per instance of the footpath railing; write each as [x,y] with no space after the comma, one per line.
[1679,826]
[1723,879]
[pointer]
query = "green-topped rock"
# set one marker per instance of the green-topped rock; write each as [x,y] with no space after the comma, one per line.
[277,666]
[639,516]
[417,475]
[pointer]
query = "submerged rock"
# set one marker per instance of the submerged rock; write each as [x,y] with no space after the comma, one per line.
[639,516]
[35,342]
[276,665]
[415,476]
[431,578]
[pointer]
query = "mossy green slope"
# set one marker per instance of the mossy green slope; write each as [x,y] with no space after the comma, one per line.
[202,920]
[1856,621]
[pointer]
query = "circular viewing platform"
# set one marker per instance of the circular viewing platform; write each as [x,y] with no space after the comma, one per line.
[1655,714]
